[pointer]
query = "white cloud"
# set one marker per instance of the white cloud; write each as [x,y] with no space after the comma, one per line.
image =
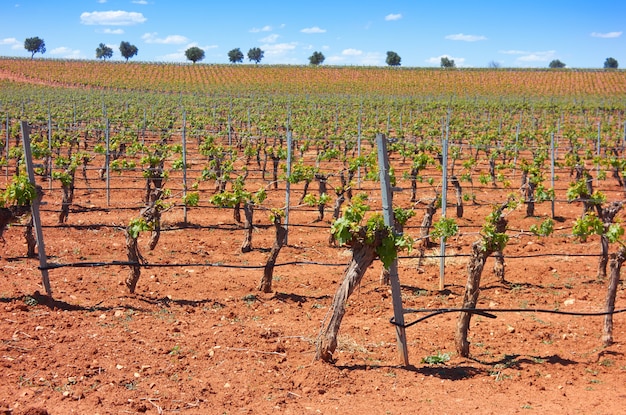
[314,29]
[466,38]
[263,29]
[351,52]
[113,31]
[609,35]
[356,57]
[8,41]
[270,39]
[392,17]
[168,40]
[112,18]
[142,2]
[65,53]
[278,49]
[437,60]
[526,56]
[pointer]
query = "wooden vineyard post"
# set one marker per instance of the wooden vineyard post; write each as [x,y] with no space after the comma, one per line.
[41,250]
[287,185]
[184,155]
[444,203]
[396,293]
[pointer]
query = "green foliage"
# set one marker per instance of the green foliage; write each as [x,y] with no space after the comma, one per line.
[349,228]
[194,54]
[611,63]
[446,62]
[437,359]
[317,58]
[20,192]
[138,225]
[578,191]
[255,55]
[35,45]
[191,199]
[492,239]
[402,216]
[556,64]
[445,228]
[127,50]
[235,55]
[393,59]
[591,224]
[103,52]
[312,200]
[545,228]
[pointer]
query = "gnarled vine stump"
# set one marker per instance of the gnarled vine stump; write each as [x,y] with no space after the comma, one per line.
[617,260]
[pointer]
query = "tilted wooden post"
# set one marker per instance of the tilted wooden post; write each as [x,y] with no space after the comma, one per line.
[41,250]
[396,294]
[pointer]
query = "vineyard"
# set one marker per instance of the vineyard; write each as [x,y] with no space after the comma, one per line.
[204,224]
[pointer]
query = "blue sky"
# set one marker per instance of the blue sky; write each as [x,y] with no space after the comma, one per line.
[520,33]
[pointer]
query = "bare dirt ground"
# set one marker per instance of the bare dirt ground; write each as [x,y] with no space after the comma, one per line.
[199,340]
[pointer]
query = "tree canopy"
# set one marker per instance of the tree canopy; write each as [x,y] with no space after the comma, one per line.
[127,50]
[235,55]
[103,52]
[194,54]
[610,63]
[35,45]
[255,55]
[393,59]
[447,62]
[317,58]
[556,64]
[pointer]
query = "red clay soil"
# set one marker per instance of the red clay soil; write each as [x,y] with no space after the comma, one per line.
[204,340]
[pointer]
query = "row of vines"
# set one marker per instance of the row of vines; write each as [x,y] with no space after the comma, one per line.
[316,153]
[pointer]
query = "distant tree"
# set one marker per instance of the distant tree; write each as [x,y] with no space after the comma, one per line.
[255,55]
[103,52]
[317,58]
[393,59]
[127,50]
[610,63]
[447,62]
[556,64]
[235,55]
[494,65]
[194,54]
[35,45]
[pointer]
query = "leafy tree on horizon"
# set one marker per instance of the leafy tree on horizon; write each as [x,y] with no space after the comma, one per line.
[235,55]
[317,58]
[556,64]
[35,45]
[255,55]
[103,52]
[447,62]
[494,65]
[611,63]
[194,54]
[127,50]
[393,59]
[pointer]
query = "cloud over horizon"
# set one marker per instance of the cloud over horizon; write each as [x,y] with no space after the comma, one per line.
[466,38]
[392,17]
[608,35]
[112,18]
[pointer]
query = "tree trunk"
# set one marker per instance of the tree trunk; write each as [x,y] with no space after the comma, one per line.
[459,196]
[427,222]
[248,213]
[132,251]
[279,242]
[470,298]
[499,266]
[362,258]
[68,198]
[321,180]
[607,216]
[31,242]
[617,260]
